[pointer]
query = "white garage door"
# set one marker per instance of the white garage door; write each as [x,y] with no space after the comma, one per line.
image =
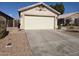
[32,22]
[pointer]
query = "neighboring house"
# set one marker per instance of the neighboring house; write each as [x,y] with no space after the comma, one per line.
[38,16]
[7,19]
[71,18]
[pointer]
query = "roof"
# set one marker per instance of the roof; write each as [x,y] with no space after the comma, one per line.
[67,15]
[25,8]
[6,15]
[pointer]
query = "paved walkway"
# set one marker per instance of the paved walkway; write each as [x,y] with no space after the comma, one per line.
[52,43]
[17,44]
[74,34]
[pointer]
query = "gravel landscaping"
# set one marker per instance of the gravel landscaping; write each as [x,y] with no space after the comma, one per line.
[15,44]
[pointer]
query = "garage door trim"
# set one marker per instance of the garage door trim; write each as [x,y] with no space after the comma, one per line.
[40,15]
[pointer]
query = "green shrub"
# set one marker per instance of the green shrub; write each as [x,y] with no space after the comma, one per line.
[59,26]
[71,27]
[4,34]
[2,30]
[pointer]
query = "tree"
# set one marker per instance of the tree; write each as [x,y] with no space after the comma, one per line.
[59,7]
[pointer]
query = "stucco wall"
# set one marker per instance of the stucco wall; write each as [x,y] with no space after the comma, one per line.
[35,11]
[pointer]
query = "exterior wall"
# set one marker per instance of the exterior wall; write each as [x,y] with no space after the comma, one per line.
[22,21]
[15,22]
[9,23]
[9,20]
[56,20]
[35,11]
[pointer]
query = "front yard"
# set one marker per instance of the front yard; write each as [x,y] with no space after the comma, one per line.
[15,44]
[40,43]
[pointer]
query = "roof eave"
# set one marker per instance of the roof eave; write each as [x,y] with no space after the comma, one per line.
[21,9]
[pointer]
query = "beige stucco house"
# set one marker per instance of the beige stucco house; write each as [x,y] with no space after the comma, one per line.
[73,17]
[38,16]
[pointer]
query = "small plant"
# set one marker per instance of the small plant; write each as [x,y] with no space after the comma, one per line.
[59,26]
[2,29]
[71,27]
[4,34]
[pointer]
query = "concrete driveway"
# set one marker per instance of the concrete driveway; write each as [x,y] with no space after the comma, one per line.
[52,43]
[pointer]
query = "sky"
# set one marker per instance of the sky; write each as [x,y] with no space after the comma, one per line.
[11,8]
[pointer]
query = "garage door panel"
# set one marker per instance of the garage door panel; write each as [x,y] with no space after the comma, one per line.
[39,22]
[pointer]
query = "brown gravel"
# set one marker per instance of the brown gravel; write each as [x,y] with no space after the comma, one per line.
[19,44]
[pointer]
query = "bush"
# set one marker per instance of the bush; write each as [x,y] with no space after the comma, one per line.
[71,27]
[2,30]
[59,26]
[3,34]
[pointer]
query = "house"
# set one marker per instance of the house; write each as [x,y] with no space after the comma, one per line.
[38,16]
[71,18]
[6,19]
